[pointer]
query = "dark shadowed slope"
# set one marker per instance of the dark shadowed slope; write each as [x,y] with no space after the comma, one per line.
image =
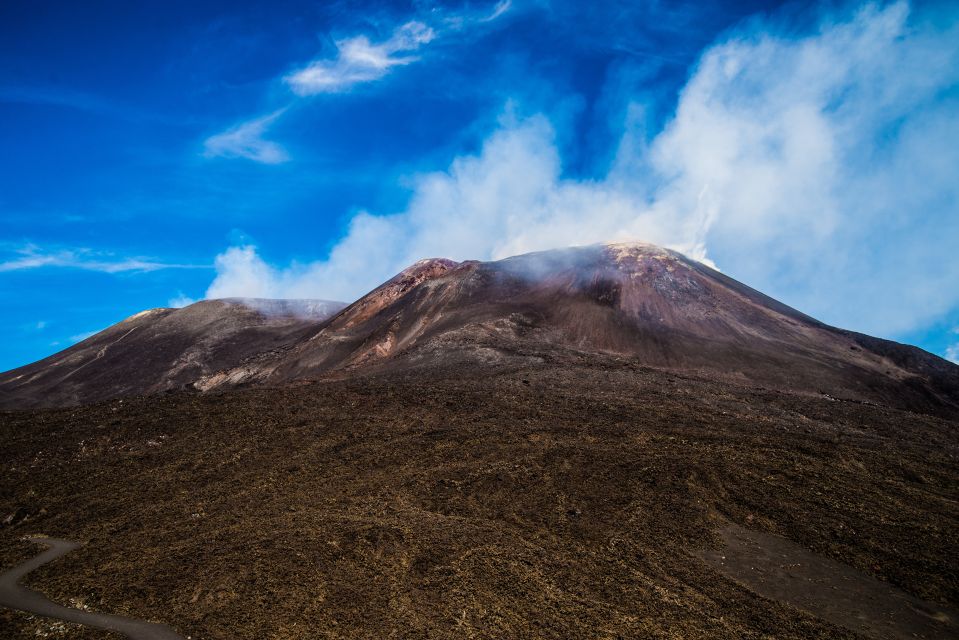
[162,349]
[780,569]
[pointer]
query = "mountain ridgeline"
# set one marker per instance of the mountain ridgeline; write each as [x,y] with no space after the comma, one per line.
[632,302]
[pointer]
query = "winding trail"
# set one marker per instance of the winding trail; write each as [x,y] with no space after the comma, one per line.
[16,597]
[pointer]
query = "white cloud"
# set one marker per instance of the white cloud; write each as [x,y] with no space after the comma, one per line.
[829,165]
[820,170]
[41,325]
[510,199]
[33,257]
[180,300]
[242,273]
[358,61]
[246,141]
[499,9]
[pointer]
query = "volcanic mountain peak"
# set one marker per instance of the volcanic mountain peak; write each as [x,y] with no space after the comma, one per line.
[624,257]
[418,272]
[632,301]
[430,264]
[629,255]
[392,290]
[145,313]
[632,247]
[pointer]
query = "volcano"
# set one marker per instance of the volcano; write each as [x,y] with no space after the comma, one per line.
[634,301]
[607,441]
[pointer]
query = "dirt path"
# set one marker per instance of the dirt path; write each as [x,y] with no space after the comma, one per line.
[16,597]
[779,569]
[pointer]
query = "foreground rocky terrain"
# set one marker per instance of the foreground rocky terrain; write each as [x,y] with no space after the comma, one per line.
[574,498]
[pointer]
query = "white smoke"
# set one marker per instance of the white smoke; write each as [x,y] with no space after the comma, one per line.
[821,170]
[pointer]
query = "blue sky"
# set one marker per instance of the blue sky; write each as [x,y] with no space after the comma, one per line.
[155,153]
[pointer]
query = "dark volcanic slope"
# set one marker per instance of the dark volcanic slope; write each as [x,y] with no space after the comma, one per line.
[635,300]
[163,349]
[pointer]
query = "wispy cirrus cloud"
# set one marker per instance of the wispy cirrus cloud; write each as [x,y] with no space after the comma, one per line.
[359,60]
[246,140]
[498,10]
[33,257]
